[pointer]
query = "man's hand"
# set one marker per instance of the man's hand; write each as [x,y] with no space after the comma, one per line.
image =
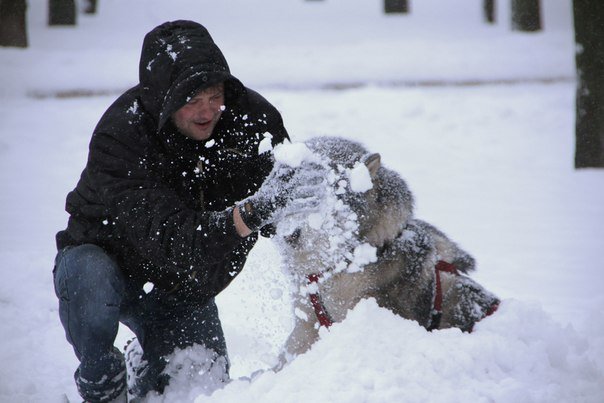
[286,191]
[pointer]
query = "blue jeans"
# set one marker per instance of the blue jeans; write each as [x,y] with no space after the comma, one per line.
[94,297]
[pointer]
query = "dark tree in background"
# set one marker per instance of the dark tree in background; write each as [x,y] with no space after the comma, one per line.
[396,6]
[589,120]
[489,11]
[526,15]
[61,12]
[13,26]
[90,7]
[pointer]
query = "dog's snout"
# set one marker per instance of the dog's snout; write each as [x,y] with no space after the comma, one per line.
[293,238]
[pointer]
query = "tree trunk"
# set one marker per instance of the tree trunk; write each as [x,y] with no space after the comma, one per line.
[589,120]
[61,12]
[489,11]
[91,6]
[13,26]
[526,15]
[396,6]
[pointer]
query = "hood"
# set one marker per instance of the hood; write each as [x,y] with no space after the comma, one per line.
[178,59]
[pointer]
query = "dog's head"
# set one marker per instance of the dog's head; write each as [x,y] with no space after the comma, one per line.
[367,206]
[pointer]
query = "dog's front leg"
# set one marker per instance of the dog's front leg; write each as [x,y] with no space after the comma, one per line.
[302,337]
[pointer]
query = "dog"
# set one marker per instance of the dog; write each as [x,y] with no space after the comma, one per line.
[366,243]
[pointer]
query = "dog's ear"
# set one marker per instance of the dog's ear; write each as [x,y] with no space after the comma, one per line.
[373,163]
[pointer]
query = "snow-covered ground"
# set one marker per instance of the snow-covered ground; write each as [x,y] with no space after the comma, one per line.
[489,164]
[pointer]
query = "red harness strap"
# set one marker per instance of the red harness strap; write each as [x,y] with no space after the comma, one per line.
[317,303]
[437,309]
[441,266]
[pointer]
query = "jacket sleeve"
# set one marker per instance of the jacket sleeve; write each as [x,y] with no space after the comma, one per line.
[274,120]
[149,213]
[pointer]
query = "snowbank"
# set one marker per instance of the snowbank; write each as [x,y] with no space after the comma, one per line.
[518,355]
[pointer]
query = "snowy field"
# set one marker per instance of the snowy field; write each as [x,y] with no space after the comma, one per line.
[479,120]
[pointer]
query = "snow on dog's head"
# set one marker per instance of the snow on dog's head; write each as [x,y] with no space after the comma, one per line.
[294,154]
[365,206]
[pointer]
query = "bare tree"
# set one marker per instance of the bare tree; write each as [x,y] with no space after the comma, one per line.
[489,11]
[526,15]
[589,121]
[61,12]
[90,7]
[13,27]
[396,6]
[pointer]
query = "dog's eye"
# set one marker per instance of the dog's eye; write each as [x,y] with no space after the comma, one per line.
[293,237]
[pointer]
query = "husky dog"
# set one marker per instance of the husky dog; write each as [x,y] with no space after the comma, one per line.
[366,243]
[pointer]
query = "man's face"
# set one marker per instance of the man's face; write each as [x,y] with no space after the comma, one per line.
[198,117]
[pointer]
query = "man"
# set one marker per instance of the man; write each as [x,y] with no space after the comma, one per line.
[166,211]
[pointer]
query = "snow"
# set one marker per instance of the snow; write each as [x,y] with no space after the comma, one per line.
[335,222]
[292,155]
[148,287]
[479,121]
[360,180]
[363,254]
[412,365]
[265,144]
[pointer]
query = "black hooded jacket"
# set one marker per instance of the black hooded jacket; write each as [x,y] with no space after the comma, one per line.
[157,201]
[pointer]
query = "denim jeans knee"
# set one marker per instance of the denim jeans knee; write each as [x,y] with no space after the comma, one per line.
[158,340]
[90,288]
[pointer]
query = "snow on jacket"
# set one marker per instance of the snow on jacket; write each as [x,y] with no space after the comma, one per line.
[158,201]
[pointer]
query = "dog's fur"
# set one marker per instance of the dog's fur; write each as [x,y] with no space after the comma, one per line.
[402,276]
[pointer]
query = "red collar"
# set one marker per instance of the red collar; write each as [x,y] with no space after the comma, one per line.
[437,306]
[317,303]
